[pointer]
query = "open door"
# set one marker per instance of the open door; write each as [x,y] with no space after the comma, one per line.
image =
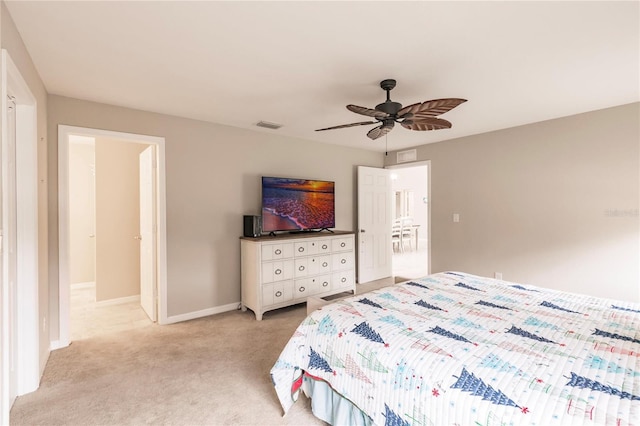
[147,236]
[374,224]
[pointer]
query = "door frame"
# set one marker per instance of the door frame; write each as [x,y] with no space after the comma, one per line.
[64,132]
[417,164]
[26,320]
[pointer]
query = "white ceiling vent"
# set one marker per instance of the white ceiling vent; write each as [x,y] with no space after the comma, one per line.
[406,156]
[269,125]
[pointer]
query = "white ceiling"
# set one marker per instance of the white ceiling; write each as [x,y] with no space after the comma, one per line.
[300,63]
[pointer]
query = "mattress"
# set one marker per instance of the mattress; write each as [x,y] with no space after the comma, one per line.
[454,348]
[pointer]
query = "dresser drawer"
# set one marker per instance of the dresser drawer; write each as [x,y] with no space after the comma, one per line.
[323,283]
[273,294]
[301,267]
[342,280]
[341,261]
[277,271]
[305,287]
[307,248]
[341,244]
[277,251]
[324,246]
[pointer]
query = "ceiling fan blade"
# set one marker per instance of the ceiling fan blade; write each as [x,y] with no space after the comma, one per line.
[427,123]
[343,126]
[379,131]
[430,108]
[367,111]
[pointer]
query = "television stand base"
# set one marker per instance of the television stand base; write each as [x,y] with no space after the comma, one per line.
[306,231]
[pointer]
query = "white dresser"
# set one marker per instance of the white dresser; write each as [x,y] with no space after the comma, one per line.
[286,269]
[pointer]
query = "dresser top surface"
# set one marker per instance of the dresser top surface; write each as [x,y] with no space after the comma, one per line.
[288,236]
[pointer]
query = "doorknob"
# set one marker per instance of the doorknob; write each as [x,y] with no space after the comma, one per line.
[137,237]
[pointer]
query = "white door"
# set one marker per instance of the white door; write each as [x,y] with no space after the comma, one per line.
[147,234]
[374,224]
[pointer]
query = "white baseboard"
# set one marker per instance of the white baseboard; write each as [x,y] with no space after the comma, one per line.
[119,301]
[202,313]
[89,284]
[56,344]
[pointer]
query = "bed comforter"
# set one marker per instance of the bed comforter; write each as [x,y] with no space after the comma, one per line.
[453,348]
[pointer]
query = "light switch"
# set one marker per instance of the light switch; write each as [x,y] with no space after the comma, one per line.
[456,217]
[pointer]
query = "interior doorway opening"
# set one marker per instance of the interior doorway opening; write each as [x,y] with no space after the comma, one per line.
[411,223]
[104,260]
[110,296]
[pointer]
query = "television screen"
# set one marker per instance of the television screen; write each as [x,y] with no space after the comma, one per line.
[297,204]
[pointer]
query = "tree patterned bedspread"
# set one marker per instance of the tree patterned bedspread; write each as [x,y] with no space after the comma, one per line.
[454,348]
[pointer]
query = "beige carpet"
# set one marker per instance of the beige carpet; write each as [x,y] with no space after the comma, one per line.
[209,371]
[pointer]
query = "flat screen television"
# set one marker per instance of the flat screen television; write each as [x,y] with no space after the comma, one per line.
[297,204]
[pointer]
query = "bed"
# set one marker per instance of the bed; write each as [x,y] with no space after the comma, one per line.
[457,349]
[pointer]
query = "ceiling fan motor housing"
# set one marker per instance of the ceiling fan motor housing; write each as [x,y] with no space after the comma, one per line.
[389,107]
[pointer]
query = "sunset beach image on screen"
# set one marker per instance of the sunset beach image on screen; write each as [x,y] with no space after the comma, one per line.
[297,204]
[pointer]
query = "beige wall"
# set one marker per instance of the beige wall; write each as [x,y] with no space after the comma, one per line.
[212,179]
[82,213]
[11,41]
[552,203]
[117,218]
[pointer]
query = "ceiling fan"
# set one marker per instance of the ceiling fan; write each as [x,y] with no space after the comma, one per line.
[420,116]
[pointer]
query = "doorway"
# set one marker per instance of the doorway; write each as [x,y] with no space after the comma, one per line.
[110,296]
[410,214]
[104,271]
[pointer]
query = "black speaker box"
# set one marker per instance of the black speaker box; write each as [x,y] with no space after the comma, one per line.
[252,226]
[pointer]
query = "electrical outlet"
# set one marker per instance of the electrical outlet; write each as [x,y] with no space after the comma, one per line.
[456,217]
[498,275]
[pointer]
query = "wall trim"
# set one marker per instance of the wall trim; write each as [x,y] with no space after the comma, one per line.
[118,301]
[78,286]
[203,313]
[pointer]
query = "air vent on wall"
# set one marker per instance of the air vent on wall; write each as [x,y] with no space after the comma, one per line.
[406,156]
[269,125]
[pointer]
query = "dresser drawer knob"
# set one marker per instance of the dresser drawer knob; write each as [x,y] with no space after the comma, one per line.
[278,271]
[278,251]
[301,289]
[343,244]
[324,284]
[344,280]
[278,293]
[300,249]
[343,261]
[301,268]
[325,264]
[324,247]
